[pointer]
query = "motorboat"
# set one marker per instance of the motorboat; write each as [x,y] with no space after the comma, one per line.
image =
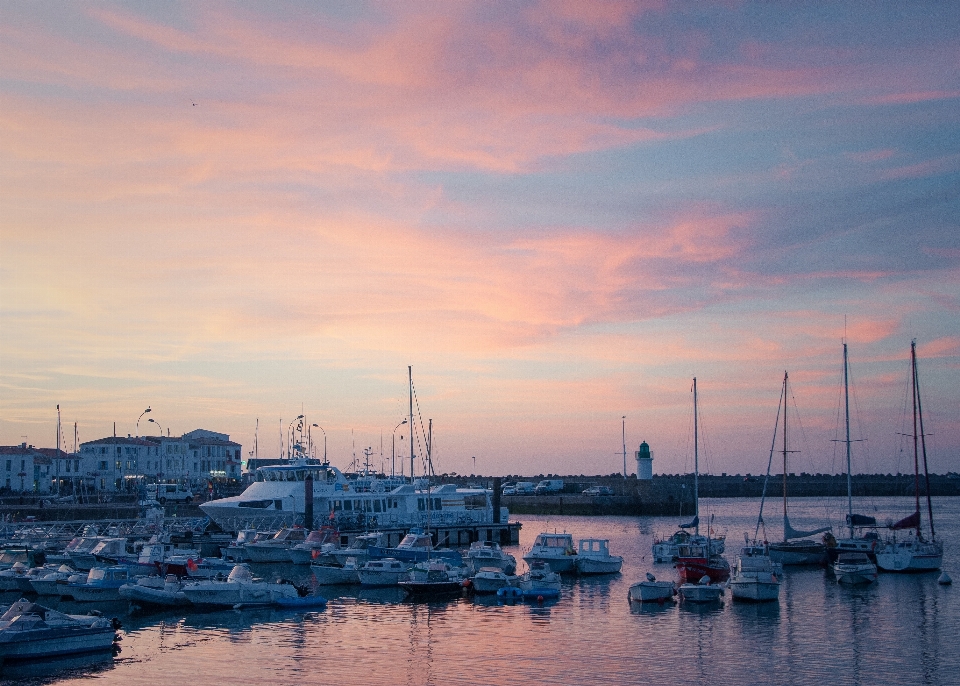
[489,554]
[51,583]
[755,576]
[239,588]
[155,592]
[316,547]
[10,578]
[30,631]
[651,590]
[593,557]
[854,569]
[701,592]
[667,549]
[25,582]
[102,584]
[417,546]
[539,581]
[278,495]
[277,548]
[331,574]
[383,572]
[432,579]
[491,580]
[555,549]
[160,556]
[237,550]
[359,548]
[694,561]
[104,554]
[29,557]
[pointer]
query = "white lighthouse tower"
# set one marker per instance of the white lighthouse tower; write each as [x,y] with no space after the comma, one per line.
[644,462]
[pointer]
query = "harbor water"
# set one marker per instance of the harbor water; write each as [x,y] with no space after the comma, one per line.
[903,629]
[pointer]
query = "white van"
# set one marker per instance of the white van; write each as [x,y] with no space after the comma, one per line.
[526,488]
[164,493]
[549,486]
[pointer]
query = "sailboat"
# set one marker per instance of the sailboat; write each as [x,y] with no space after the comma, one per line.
[796,547]
[867,543]
[698,558]
[915,554]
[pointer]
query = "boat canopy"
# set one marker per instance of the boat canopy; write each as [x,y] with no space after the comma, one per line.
[861,520]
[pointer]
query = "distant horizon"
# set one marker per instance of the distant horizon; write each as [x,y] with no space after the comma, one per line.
[558,214]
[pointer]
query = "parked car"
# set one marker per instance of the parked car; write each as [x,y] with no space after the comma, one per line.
[598,490]
[510,490]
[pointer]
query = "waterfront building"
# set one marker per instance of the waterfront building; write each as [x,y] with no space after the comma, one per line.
[24,469]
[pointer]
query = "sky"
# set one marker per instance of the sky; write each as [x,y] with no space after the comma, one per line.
[557,214]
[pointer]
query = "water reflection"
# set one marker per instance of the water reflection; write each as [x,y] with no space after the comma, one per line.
[69,667]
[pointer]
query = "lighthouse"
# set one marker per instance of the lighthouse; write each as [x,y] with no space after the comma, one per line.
[644,462]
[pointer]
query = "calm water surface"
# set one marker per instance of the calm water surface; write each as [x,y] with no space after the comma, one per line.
[903,629]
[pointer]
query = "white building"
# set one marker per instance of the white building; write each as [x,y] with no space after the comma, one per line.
[24,469]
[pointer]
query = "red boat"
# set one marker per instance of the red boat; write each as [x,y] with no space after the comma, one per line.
[693,563]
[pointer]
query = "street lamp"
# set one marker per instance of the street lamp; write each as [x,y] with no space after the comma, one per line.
[474,465]
[290,436]
[393,458]
[141,417]
[624,418]
[324,442]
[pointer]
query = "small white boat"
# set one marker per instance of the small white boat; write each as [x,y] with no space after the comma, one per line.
[10,578]
[105,553]
[240,588]
[652,591]
[52,582]
[359,548]
[491,580]
[276,549]
[755,577]
[237,550]
[317,546]
[485,554]
[102,584]
[556,550]
[854,569]
[384,572]
[539,581]
[702,592]
[29,631]
[334,574]
[593,557]
[154,591]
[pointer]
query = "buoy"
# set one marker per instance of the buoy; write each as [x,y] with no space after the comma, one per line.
[944,579]
[539,598]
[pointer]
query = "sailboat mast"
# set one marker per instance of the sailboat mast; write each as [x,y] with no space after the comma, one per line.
[696,462]
[916,435]
[846,415]
[923,440]
[410,379]
[785,455]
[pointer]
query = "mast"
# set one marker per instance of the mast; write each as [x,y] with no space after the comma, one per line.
[410,378]
[785,520]
[918,412]
[916,436]
[696,462]
[846,414]
[58,450]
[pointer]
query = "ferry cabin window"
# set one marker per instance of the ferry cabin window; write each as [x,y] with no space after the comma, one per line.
[378,506]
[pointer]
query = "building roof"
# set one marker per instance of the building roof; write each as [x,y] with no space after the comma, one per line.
[120,440]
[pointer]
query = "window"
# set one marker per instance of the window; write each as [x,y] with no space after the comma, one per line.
[102,466]
[8,467]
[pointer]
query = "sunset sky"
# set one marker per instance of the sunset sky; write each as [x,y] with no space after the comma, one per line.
[557,213]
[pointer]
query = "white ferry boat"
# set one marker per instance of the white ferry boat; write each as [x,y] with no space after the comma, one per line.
[277,498]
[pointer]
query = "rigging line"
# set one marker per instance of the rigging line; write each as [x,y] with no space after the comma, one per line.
[773,445]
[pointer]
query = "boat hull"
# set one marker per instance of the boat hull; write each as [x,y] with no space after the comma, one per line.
[329,575]
[653,592]
[586,565]
[910,556]
[791,554]
[56,642]
[754,590]
[855,576]
[699,593]
[691,570]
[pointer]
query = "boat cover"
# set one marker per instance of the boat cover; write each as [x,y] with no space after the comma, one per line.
[789,532]
[911,522]
[861,520]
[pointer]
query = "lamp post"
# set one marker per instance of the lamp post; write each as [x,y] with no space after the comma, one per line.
[624,418]
[154,421]
[324,442]
[474,465]
[393,457]
[141,417]
[290,436]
